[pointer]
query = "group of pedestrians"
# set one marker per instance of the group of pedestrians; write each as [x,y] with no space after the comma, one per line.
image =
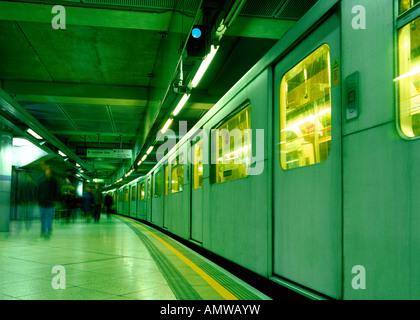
[52,196]
[93,202]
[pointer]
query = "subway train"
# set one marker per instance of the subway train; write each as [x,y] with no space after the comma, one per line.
[332,213]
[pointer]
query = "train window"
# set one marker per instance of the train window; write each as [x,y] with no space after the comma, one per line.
[133,193]
[126,195]
[148,188]
[406,4]
[177,176]
[408,81]
[142,191]
[305,111]
[158,184]
[233,147]
[198,165]
[166,180]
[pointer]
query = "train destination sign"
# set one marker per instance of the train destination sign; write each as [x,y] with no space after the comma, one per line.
[109,153]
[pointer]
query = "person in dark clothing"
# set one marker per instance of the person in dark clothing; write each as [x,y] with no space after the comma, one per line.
[88,202]
[108,202]
[98,203]
[48,194]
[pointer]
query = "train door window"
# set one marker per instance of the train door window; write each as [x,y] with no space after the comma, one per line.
[405,5]
[158,184]
[126,195]
[166,180]
[305,111]
[408,80]
[133,193]
[198,165]
[142,191]
[233,147]
[148,188]
[177,175]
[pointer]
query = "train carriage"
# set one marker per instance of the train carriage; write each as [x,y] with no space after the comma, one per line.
[337,100]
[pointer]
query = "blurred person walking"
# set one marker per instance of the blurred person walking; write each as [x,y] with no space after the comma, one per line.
[48,194]
[108,202]
[88,203]
[98,203]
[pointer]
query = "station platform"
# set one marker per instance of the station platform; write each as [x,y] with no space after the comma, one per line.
[114,259]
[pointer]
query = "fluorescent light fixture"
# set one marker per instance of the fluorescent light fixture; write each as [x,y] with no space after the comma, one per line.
[20,142]
[78,165]
[167,124]
[62,153]
[129,172]
[149,150]
[144,157]
[139,163]
[181,103]
[34,134]
[204,65]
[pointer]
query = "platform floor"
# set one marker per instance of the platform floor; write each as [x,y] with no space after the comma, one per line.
[117,258]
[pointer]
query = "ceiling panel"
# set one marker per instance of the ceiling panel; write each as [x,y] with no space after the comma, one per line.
[127,127]
[81,112]
[54,124]
[127,113]
[94,125]
[18,59]
[44,110]
[82,54]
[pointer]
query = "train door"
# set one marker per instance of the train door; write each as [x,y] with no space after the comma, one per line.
[149,198]
[307,195]
[179,216]
[196,184]
[157,206]
[165,196]
[134,203]
[141,199]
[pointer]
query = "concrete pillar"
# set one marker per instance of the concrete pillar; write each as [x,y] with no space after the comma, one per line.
[6,150]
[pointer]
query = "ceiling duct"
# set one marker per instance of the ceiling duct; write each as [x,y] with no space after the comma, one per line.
[295,9]
[186,5]
[268,10]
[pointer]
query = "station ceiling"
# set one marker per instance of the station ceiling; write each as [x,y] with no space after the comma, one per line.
[106,81]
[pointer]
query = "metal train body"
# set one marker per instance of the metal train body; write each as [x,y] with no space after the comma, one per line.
[347,226]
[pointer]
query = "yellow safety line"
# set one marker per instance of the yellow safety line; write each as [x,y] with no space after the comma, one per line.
[227,295]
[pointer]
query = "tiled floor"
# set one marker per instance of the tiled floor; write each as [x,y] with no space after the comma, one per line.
[100,261]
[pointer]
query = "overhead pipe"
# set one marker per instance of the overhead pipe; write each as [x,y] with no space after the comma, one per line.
[229,18]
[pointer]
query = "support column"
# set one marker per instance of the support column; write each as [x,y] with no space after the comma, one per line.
[6,150]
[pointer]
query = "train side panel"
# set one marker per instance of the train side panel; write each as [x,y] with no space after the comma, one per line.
[157,197]
[235,221]
[381,220]
[178,200]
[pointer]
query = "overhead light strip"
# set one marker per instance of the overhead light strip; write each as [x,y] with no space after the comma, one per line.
[34,134]
[204,65]
[167,124]
[181,104]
